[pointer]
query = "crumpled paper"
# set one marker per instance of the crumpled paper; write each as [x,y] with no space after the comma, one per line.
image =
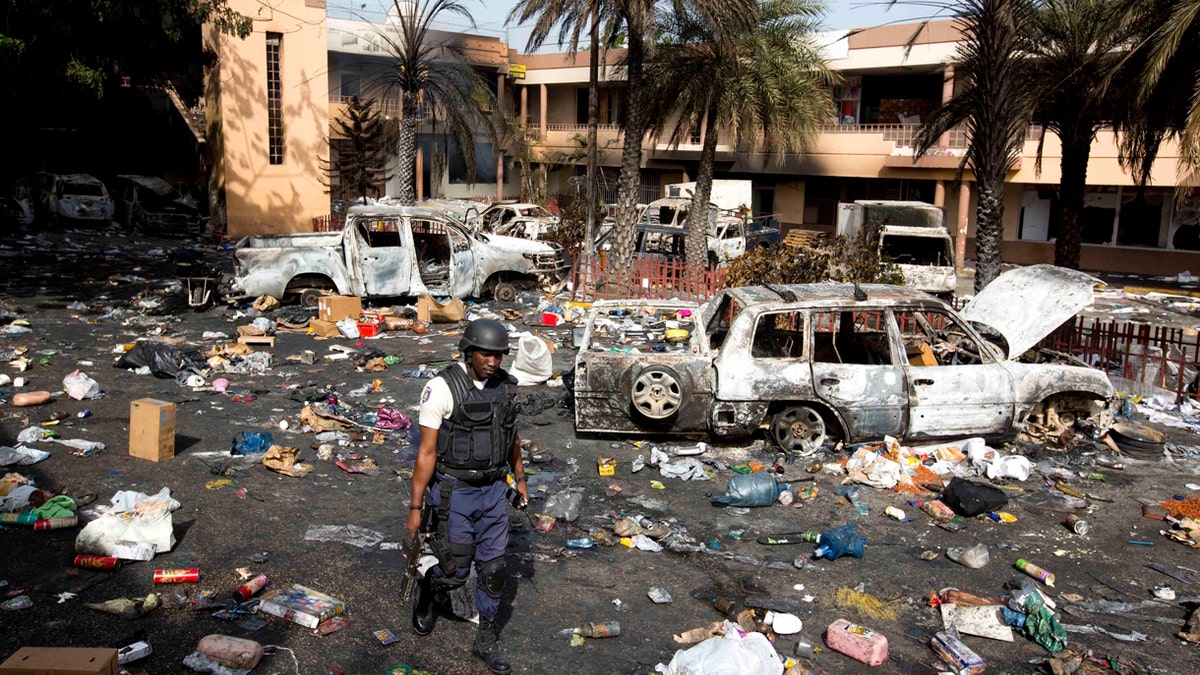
[870,468]
[126,608]
[284,460]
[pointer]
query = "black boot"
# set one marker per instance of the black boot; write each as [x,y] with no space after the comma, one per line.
[487,646]
[423,614]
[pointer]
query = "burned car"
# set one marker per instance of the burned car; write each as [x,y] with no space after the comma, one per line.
[76,198]
[814,362]
[152,205]
[526,221]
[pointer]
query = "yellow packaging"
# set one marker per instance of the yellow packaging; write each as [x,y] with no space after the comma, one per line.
[607,466]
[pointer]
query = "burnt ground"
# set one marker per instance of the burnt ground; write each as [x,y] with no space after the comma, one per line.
[258,512]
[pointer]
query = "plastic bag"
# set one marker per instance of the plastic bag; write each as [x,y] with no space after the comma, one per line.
[252,443]
[971,499]
[1042,627]
[533,364]
[142,518]
[348,328]
[162,359]
[729,655]
[564,505]
[79,386]
[752,489]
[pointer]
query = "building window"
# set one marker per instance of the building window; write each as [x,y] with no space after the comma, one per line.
[274,99]
[351,86]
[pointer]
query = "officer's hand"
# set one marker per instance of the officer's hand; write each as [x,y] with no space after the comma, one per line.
[414,522]
[524,490]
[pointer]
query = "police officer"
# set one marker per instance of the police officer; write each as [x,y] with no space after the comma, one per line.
[468,445]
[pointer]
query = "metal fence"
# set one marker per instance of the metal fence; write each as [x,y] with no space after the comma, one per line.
[1142,358]
[650,278]
[328,223]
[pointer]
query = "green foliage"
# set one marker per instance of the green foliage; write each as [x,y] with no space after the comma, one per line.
[368,142]
[842,260]
[572,223]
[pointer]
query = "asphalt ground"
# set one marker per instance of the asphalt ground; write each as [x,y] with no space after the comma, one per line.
[259,520]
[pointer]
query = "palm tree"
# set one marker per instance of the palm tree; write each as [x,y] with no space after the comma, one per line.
[995,104]
[1075,48]
[766,86]
[572,16]
[1166,61]
[433,69]
[725,18]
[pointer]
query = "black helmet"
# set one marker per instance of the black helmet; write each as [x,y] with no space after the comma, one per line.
[484,335]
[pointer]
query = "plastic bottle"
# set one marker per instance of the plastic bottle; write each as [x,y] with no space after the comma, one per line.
[599,630]
[840,541]
[231,652]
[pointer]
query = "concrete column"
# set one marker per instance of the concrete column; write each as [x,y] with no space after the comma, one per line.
[542,106]
[947,94]
[420,174]
[524,106]
[964,214]
[939,193]
[499,175]
[500,92]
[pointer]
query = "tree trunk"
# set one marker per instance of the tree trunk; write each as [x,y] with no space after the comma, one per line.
[696,244]
[631,156]
[989,233]
[1076,148]
[593,152]
[406,171]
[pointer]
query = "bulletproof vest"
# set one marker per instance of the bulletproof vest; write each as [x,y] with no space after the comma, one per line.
[476,440]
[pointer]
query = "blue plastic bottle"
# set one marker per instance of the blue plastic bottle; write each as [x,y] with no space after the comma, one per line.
[840,541]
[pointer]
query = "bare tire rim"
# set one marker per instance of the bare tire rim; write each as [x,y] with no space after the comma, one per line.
[799,430]
[657,394]
[505,292]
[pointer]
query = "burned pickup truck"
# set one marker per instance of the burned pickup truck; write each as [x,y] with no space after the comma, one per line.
[814,362]
[392,251]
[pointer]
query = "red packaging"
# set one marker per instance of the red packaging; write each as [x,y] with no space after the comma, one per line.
[857,642]
[97,562]
[177,576]
[370,328]
[254,585]
[42,524]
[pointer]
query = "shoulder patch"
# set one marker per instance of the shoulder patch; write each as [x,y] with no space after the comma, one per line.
[425,394]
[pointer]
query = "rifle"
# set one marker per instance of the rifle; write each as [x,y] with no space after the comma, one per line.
[412,552]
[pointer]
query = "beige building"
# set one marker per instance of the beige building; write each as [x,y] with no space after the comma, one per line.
[863,152]
[268,119]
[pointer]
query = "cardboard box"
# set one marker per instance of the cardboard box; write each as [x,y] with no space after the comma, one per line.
[60,661]
[338,307]
[152,429]
[607,466]
[301,605]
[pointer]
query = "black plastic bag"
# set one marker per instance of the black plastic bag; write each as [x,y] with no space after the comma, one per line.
[163,359]
[971,499]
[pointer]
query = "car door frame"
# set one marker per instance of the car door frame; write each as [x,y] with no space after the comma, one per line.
[384,270]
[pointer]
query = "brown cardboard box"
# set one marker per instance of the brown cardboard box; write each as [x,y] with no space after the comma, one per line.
[152,429]
[338,307]
[60,661]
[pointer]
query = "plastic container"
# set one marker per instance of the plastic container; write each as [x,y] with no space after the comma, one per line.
[1044,576]
[18,518]
[858,642]
[599,630]
[97,562]
[937,510]
[840,541]
[43,524]
[894,513]
[231,652]
[751,489]
[188,576]
[253,585]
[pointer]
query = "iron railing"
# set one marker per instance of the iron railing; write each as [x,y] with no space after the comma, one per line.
[650,277]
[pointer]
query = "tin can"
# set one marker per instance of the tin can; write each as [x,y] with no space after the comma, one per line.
[18,518]
[607,629]
[97,562]
[1077,524]
[176,576]
[43,524]
[1044,576]
[255,584]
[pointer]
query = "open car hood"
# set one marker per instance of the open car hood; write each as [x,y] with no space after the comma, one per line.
[1026,304]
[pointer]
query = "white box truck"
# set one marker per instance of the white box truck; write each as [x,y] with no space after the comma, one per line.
[912,234]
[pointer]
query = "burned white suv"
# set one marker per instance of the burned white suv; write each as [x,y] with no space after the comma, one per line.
[814,362]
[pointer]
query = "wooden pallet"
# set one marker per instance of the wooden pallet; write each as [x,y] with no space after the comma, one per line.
[804,238]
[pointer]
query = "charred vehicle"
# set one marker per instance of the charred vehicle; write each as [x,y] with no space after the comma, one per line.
[391,251]
[911,234]
[152,205]
[526,221]
[820,361]
[727,235]
[76,198]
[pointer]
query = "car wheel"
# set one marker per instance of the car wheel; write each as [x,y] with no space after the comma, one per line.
[308,297]
[504,292]
[657,392]
[798,430]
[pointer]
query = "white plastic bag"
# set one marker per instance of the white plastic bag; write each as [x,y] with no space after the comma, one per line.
[729,655]
[564,505]
[79,386]
[349,328]
[134,517]
[533,364]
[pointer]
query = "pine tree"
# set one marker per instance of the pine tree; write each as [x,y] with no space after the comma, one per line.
[366,143]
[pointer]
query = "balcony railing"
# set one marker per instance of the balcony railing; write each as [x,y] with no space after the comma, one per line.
[581,128]
[905,135]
